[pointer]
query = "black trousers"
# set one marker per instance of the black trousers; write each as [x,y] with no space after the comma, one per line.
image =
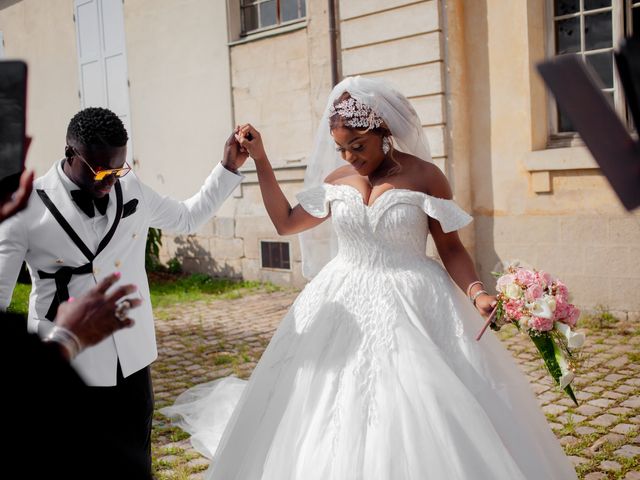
[122,418]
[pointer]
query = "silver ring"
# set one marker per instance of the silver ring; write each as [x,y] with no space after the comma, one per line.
[122,310]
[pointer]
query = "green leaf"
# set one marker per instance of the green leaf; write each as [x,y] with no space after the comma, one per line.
[544,344]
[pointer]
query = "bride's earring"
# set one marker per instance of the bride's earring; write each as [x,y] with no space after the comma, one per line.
[386,145]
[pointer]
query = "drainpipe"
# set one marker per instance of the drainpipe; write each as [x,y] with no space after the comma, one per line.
[333,42]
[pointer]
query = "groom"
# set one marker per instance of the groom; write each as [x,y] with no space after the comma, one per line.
[87,217]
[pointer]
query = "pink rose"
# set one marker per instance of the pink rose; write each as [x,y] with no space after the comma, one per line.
[541,324]
[544,278]
[574,314]
[562,311]
[525,277]
[513,309]
[562,292]
[533,292]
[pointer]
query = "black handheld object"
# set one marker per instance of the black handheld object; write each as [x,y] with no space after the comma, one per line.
[13,101]
[580,97]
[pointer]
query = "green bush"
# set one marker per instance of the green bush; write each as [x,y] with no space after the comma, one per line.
[152,251]
[174,266]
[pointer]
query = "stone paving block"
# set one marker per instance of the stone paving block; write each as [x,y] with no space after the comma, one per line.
[614,377]
[610,465]
[554,409]
[609,438]
[632,402]
[620,410]
[625,389]
[571,418]
[613,395]
[584,430]
[596,476]
[604,420]
[577,460]
[628,451]
[624,428]
[568,440]
[601,402]
[588,410]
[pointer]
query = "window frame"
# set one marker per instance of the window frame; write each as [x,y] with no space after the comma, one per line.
[248,33]
[288,244]
[555,138]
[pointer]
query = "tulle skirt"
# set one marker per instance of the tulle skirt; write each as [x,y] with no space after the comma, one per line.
[376,375]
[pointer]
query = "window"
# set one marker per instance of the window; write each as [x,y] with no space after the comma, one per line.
[275,255]
[261,14]
[592,29]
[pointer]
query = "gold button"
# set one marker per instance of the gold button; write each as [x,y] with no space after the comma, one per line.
[117,263]
[59,261]
[96,271]
[135,235]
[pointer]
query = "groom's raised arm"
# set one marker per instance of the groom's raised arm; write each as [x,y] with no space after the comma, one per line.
[189,215]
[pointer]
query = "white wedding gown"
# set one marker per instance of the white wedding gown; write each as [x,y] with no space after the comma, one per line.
[374,373]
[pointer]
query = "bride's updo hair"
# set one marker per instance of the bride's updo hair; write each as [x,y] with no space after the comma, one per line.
[336,120]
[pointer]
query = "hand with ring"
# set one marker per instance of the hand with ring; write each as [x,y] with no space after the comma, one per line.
[122,310]
[97,314]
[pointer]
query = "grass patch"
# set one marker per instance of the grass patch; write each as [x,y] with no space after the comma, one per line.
[167,291]
[600,318]
[170,289]
[20,299]
[223,359]
[633,357]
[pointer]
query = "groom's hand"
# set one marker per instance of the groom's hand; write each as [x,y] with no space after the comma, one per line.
[92,317]
[234,155]
[251,141]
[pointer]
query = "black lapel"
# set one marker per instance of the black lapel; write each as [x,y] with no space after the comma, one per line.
[65,225]
[107,238]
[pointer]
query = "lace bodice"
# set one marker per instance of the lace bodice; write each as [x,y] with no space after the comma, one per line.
[392,232]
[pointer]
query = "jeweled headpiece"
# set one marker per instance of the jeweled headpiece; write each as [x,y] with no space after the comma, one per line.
[356,114]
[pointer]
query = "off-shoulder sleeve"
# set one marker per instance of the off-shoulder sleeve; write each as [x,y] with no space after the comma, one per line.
[315,200]
[447,212]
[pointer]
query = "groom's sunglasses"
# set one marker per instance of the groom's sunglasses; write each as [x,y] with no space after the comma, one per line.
[101,174]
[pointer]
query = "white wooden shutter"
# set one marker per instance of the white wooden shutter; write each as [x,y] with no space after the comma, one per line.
[102,58]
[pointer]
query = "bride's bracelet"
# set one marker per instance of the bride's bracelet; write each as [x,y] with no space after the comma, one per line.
[477,294]
[471,285]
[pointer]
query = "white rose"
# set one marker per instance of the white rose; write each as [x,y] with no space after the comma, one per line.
[513,291]
[551,301]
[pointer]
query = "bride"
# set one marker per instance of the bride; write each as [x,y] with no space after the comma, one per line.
[374,372]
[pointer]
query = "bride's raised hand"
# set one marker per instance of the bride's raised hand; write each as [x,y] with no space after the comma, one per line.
[250,139]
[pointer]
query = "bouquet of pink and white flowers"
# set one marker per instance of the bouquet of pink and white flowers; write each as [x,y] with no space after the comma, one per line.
[539,304]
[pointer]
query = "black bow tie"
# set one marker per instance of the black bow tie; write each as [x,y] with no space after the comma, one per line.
[86,201]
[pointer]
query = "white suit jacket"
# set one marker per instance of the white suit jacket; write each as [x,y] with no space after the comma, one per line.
[36,236]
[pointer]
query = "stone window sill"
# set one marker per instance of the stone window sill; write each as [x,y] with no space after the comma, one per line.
[271,32]
[540,163]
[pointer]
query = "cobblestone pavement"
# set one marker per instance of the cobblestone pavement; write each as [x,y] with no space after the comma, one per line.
[202,341]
